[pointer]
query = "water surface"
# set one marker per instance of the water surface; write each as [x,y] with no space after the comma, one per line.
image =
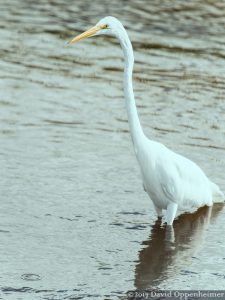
[75,222]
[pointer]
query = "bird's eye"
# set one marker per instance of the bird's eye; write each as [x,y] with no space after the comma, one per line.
[105,26]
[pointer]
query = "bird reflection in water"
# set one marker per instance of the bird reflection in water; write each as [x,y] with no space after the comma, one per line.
[169,250]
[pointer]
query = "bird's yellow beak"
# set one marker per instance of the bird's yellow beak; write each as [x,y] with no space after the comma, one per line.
[85,34]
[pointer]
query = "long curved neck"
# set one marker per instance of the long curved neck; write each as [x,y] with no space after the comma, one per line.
[133,119]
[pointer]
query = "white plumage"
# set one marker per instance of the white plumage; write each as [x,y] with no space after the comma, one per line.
[172,181]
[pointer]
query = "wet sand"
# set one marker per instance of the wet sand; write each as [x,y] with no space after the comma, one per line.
[74,220]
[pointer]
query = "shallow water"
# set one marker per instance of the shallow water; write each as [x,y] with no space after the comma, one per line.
[75,222]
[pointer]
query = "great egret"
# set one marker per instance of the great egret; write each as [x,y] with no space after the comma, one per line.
[172,181]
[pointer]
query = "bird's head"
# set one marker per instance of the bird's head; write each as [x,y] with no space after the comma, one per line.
[108,25]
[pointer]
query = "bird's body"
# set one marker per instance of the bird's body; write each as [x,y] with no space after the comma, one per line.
[169,177]
[172,181]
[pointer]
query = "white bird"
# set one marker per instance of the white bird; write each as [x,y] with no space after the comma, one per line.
[172,181]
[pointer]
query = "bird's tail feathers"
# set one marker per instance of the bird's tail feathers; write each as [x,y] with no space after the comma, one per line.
[218,195]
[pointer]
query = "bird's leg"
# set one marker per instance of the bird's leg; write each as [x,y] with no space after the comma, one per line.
[158,211]
[171,213]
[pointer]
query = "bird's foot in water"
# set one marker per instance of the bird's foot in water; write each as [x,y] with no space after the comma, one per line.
[159,212]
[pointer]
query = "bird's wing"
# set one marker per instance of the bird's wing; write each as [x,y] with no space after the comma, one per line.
[182,181]
[168,179]
[144,187]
